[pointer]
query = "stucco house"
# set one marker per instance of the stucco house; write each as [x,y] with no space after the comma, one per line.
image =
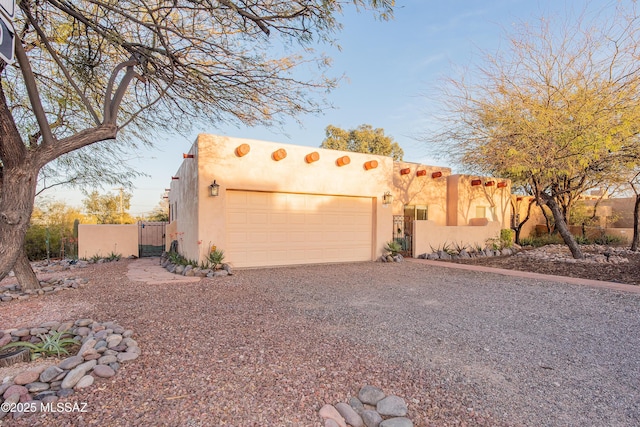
[267,203]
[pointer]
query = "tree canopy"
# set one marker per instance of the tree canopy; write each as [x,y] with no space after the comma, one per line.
[87,69]
[557,112]
[108,208]
[363,139]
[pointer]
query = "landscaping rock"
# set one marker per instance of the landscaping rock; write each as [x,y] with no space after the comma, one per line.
[84,382]
[26,377]
[392,406]
[50,373]
[357,406]
[330,412]
[370,395]
[397,422]
[103,371]
[350,415]
[371,418]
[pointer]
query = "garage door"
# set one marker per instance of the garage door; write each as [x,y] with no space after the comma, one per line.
[282,229]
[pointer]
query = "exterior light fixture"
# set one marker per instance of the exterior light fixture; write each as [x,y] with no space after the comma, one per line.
[489,183]
[437,174]
[387,198]
[175,177]
[475,182]
[214,189]
[502,184]
[421,172]
[405,171]
[187,156]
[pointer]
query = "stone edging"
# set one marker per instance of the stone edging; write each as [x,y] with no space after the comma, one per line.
[13,291]
[468,254]
[104,347]
[191,271]
[372,408]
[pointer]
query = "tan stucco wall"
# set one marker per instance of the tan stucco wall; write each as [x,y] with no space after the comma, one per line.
[171,232]
[429,236]
[104,239]
[411,189]
[463,199]
[215,159]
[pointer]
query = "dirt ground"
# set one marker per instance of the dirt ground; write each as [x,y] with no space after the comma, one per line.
[628,273]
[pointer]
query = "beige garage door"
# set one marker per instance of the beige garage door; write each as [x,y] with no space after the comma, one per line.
[282,229]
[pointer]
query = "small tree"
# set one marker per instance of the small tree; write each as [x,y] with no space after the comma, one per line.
[363,139]
[557,111]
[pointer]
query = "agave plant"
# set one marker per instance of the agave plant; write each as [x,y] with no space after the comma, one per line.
[393,247]
[50,345]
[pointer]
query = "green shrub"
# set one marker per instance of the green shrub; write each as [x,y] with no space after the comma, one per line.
[607,240]
[506,237]
[543,240]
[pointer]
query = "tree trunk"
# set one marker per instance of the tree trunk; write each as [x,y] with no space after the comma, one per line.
[24,273]
[17,192]
[518,228]
[16,205]
[636,224]
[562,228]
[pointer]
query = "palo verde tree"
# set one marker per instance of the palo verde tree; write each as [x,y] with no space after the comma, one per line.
[555,111]
[87,69]
[363,139]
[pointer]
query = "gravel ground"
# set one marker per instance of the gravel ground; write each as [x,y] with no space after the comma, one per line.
[269,347]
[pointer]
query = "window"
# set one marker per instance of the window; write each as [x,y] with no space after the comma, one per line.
[417,212]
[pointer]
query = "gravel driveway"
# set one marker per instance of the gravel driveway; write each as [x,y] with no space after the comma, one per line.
[269,347]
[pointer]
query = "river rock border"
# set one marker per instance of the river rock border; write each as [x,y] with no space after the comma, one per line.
[191,271]
[469,253]
[104,347]
[372,408]
[14,292]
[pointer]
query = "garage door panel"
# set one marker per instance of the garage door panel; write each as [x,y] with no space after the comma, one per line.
[280,229]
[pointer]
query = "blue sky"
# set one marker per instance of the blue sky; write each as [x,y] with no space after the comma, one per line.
[389,67]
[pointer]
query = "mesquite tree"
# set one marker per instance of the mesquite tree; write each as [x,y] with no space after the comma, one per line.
[87,69]
[557,111]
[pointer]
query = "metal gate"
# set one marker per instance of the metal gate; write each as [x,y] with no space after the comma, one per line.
[403,234]
[151,238]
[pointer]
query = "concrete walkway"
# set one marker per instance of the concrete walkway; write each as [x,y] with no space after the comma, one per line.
[149,270]
[529,275]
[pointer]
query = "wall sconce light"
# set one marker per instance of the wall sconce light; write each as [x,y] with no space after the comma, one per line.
[475,182]
[214,189]
[371,164]
[405,171]
[437,174]
[387,198]
[187,156]
[502,184]
[489,183]
[312,157]
[421,172]
[343,161]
